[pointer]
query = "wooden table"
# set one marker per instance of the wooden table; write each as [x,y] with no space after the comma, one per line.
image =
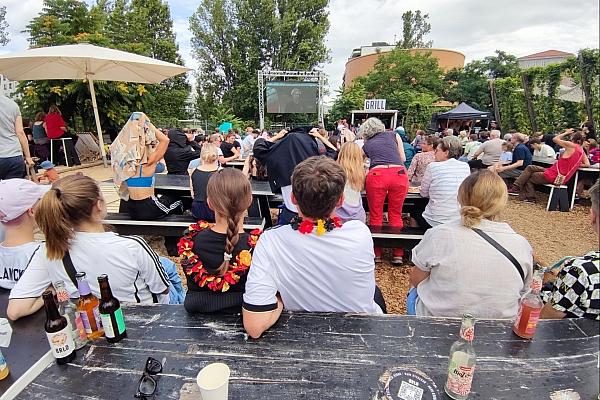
[324,356]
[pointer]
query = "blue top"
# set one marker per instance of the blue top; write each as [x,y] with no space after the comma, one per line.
[141,181]
[382,149]
[521,152]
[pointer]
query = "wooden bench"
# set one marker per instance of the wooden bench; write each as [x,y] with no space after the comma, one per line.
[172,225]
[388,236]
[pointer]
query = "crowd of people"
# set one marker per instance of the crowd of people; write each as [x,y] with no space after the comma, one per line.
[320,256]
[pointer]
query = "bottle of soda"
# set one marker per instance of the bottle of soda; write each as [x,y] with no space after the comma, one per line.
[530,308]
[462,361]
[58,331]
[67,309]
[4,371]
[110,312]
[88,308]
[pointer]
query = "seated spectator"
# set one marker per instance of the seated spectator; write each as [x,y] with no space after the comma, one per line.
[489,150]
[254,169]
[542,149]
[593,151]
[387,178]
[70,215]
[423,159]
[216,258]
[248,141]
[470,148]
[181,150]
[351,160]
[507,153]
[576,290]
[440,183]
[588,130]
[482,281]
[521,158]
[463,137]
[18,201]
[230,147]
[50,174]
[560,172]
[316,263]
[418,140]
[409,151]
[40,139]
[199,178]
[56,128]
[507,137]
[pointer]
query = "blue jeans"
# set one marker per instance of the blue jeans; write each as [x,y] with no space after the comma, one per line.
[12,167]
[176,290]
[411,301]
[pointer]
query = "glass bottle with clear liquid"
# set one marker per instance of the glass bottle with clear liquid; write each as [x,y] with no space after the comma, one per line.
[67,309]
[461,365]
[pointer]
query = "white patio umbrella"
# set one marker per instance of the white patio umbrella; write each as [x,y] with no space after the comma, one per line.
[86,61]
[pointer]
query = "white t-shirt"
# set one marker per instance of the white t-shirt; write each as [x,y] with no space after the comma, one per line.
[13,261]
[469,275]
[440,183]
[492,149]
[333,272]
[286,193]
[247,145]
[545,151]
[133,268]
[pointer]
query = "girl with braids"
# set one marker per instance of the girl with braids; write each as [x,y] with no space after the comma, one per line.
[70,215]
[216,257]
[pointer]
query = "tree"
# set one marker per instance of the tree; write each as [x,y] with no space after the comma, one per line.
[3,27]
[469,84]
[415,27]
[502,65]
[351,98]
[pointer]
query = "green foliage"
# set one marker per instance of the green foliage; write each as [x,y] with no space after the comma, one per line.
[225,114]
[4,39]
[511,100]
[351,98]
[469,84]
[415,27]
[233,39]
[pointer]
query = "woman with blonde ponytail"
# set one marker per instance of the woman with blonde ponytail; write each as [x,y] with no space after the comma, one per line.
[70,216]
[461,268]
[216,257]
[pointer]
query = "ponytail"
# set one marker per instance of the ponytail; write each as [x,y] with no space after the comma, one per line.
[66,205]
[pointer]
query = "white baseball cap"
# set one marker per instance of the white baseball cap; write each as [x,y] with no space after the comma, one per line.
[17,196]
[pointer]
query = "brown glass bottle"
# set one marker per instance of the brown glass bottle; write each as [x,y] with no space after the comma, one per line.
[110,312]
[58,331]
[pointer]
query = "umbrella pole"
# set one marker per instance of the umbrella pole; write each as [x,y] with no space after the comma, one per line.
[97,117]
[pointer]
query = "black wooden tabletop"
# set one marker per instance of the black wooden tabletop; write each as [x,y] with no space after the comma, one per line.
[324,356]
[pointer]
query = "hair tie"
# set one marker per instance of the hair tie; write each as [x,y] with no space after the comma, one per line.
[57,192]
[227,256]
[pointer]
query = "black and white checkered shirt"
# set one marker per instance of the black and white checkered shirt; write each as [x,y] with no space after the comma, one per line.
[576,290]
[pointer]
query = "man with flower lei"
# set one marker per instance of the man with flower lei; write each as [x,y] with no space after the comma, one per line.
[210,292]
[316,263]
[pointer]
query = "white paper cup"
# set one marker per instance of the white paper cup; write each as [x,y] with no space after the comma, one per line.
[213,381]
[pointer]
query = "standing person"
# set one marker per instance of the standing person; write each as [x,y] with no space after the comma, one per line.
[199,178]
[248,142]
[409,151]
[441,182]
[386,178]
[351,160]
[521,158]
[490,151]
[566,166]
[14,149]
[70,215]
[230,147]
[40,139]
[56,129]
[216,258]
[181,150]
[423,159]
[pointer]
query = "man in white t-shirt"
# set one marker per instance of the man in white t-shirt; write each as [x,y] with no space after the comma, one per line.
[542,150]
[314,264]
[18,199]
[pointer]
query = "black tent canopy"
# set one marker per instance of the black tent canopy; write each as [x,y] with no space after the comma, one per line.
[464,111]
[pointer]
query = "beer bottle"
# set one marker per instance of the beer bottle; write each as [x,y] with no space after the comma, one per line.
[87,306]
[4,371]
[462,361]
[58,331]
[67,309]
[110,312]
[530,308]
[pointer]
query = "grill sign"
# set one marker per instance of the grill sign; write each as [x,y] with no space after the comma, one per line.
[375,105]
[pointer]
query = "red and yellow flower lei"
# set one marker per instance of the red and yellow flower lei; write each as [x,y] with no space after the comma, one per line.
[191,264]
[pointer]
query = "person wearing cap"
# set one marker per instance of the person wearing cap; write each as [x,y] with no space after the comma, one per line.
[50,174]
[14,148]
[18,201]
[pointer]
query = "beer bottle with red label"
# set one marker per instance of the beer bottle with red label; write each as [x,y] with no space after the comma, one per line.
[58,331]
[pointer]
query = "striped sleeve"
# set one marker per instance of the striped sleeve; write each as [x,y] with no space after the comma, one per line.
[150,267]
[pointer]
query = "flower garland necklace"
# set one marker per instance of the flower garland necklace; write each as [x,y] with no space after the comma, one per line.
[306,226]
[192,265]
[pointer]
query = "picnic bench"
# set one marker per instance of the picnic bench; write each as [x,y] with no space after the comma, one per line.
[323,356]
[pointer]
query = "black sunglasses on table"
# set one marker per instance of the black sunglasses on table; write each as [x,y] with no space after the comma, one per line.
[147,385]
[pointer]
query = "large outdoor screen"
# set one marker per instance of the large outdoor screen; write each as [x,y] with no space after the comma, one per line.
[291,97]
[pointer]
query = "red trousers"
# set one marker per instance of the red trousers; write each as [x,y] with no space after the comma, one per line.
[392,183]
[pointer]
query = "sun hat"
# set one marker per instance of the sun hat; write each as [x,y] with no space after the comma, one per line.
[17,196]
[46,164]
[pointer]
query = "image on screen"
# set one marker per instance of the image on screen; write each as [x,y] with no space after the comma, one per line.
[291,97]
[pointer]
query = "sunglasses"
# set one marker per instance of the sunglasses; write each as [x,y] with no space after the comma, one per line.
[147,385]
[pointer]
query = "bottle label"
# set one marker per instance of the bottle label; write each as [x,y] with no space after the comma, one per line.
[534,317]
[2,362]
[86,322]
[109,329]
[80,326]
[61,342]
[460,375]
[97,317]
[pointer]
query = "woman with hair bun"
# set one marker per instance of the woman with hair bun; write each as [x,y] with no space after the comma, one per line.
[458,270]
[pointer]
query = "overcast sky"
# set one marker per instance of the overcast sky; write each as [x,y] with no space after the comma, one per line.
[474,27]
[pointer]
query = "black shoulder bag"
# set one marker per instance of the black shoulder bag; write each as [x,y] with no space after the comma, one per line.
[70,268]
[502,250]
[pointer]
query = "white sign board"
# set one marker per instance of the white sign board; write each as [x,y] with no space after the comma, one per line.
[375,105]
